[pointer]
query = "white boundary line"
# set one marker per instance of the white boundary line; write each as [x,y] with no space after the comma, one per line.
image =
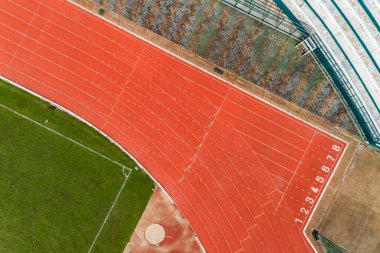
[90,125]
[347,170]
[112,206]
[201,70]
[83,120]
[79,118]
[61,135]
[200,244]
[295,172]
[250,94]
[126,175]
[320,197]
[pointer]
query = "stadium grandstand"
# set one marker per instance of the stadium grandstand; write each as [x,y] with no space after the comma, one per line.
[204,27]
[350,31]
[355,78]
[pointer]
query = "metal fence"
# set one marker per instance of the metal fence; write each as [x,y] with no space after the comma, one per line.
[338,79]
[270,14]
[278,16]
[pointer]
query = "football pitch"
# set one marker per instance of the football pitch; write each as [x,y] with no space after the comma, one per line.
[63,186]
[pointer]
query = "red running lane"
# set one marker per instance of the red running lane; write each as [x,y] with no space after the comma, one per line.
[245,174]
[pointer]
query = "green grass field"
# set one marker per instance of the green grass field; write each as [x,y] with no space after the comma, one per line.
[56,194]
[331,247]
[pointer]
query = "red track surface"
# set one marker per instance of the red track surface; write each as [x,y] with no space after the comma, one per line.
[245,174]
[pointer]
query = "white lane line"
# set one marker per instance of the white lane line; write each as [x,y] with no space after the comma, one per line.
[25,32]
[199,148]
[199,70]
[295,171]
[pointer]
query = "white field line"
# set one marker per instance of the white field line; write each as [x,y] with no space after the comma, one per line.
[61,135]
[126,174]
[87,123]
[112,206]
[345,173]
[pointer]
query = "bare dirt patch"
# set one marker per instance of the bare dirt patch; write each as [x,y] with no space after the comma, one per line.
[179,237]
[351,216]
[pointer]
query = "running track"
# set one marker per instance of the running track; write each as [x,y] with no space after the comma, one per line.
[245,174]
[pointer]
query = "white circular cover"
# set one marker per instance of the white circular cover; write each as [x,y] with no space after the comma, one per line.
[154,234]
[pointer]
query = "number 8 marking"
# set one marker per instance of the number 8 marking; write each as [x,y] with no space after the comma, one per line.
[309,200]
[336,148]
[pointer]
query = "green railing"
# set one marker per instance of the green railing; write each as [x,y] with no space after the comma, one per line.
[278,16]
[268,13]
[338,79]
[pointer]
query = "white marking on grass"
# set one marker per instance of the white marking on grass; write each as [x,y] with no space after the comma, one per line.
[112,206]
[126,171]
[61,135]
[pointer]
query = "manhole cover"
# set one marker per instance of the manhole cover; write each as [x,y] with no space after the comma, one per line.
[154,234]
